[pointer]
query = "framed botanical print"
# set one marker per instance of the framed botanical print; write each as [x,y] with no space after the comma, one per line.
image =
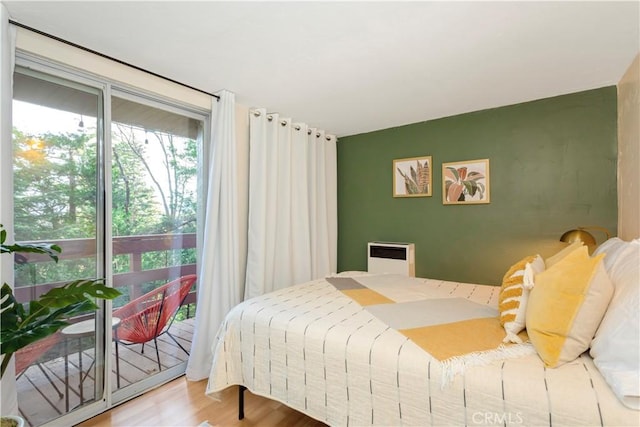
[465,182]
[412,177]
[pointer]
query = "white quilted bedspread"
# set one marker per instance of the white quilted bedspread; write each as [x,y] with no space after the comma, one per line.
[317,351]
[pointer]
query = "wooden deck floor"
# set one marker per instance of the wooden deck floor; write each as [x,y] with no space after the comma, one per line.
[38,400]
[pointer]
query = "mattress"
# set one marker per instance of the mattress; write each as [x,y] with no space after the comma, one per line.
[316,350]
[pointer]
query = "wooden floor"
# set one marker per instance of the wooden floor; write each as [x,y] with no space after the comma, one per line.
[39,402]
[183,403]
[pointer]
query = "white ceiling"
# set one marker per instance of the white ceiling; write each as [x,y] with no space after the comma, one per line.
[354,67]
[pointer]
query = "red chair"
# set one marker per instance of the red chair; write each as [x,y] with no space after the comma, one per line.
[151,315]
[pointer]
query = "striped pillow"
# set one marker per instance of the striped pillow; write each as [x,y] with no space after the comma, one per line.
[514,293]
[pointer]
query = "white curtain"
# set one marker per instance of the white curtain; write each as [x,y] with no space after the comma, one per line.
[9,402]
[292,236]
[220,285]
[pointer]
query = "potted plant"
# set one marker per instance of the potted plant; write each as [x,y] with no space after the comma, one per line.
[23,324]
[11,421]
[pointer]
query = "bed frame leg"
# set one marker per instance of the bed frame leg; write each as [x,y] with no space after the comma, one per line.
[241,390]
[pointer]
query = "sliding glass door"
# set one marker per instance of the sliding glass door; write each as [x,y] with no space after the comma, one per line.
[155,158]
[112,176]
[58,198]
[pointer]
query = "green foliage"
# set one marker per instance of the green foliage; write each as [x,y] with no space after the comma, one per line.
[36,273]
[55,176]
[74,292]
[153,182]
[25,324]
[37,248]
[55,198]
[54,185]
[184,311]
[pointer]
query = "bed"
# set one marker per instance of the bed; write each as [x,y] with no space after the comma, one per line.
[318,349]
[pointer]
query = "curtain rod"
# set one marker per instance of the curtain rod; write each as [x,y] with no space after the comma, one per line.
[86,49]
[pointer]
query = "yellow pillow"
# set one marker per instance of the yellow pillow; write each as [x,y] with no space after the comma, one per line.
[566,306]
[563,253]
[514,292]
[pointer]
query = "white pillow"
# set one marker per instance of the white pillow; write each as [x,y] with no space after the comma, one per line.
[612,247]
[616,346]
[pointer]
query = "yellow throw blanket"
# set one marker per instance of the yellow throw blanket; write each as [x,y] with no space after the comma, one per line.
[455,331]
[474,335]
[366,296]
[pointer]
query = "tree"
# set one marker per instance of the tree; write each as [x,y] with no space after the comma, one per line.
[54,186]
[134,211]
[171,170]
[55,190]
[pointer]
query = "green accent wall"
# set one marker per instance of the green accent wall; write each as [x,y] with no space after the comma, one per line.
[552,168]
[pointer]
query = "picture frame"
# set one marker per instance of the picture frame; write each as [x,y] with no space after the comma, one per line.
[413,177]
[466,182]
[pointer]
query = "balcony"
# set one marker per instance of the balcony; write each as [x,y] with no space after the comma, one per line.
[134,247]
[61,366]
[39,402]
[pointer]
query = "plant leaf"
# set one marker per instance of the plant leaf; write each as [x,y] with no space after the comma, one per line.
[453,173]
[76,291]
[13,339]
[37,248]
[463,173]
[454,192]
[10,309]
[474,176]
[481,190]
[470,187]
[423,177]
[411,187]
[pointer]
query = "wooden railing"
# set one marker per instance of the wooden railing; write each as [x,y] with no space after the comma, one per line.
[134,247]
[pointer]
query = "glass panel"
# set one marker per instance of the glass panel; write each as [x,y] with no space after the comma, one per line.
[154,194]
[56,153]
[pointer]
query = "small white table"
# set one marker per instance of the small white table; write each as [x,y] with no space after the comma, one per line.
[80,330]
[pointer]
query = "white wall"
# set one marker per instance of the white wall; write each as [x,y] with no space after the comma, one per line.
[629,153]
[68,55]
